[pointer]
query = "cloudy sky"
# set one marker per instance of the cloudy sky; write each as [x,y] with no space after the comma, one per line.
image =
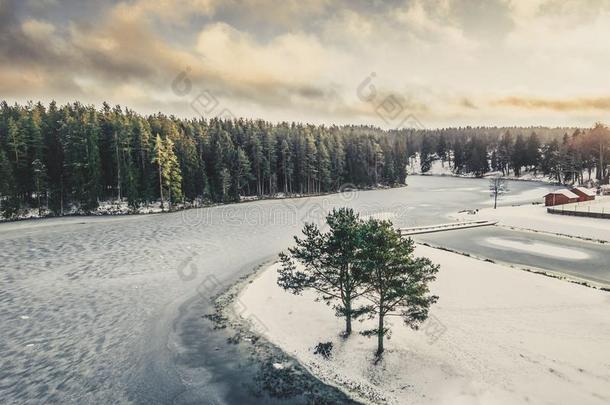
[439,62]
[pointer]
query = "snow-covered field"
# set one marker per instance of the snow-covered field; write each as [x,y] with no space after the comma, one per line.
[438,168]
[496,336]
[535,217]
[600,205]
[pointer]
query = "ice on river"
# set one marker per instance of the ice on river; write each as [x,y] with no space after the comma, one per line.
[537,248]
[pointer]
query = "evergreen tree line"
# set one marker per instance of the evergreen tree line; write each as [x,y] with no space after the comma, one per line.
[58,157]
[567,158]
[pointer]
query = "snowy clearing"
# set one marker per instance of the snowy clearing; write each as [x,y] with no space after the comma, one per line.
[535,217]
[535,194]
[439,168]
[496,335]
[600,205]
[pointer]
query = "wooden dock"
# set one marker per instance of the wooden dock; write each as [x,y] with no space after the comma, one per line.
[444,227]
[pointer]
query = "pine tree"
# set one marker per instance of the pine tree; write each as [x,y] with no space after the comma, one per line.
[225,183]
[328,264]
[378,162]
[286,165]
[18,147]
[256,158]
[159,159]
[459,159]
[269,159]
[441,149]
[242,172]
[171,174]
[532,151]
[518,155]
[477,162]
[400,158]
[425,154]
[310,163]
[16,142]
[80,140]
[324,179]
[92,172]
[505,152]
[9,205]
[40,177]
[396,281]
[337,159]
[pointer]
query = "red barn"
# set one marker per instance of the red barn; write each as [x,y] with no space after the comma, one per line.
[558,197]
[584,194]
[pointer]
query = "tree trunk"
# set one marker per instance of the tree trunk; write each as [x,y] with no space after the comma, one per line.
[61,195]
[600,170]
[38,196]
[348,316]
[161,188]
[380,335]
[285,182]
[118,165]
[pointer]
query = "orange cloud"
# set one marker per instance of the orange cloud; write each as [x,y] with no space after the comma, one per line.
[575,104]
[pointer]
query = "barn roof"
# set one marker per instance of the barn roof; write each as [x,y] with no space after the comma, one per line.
[585,191]
[565,192]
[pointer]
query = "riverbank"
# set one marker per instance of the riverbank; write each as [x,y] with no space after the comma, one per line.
[267,374]
[122,208]
[496,335]
[535,218]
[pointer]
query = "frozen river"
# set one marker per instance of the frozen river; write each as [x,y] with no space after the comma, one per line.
[584,260]
[101,309]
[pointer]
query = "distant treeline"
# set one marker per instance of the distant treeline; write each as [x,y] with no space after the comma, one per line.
[74,155]
[567,155]
[56,157]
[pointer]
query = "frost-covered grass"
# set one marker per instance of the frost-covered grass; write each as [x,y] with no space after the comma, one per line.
[496,335]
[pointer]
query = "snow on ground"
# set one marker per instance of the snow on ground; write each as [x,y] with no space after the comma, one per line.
[439,168]
[526,196]
[382,216]
[535,217]
[600,205]
[496,336]
[104,208]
